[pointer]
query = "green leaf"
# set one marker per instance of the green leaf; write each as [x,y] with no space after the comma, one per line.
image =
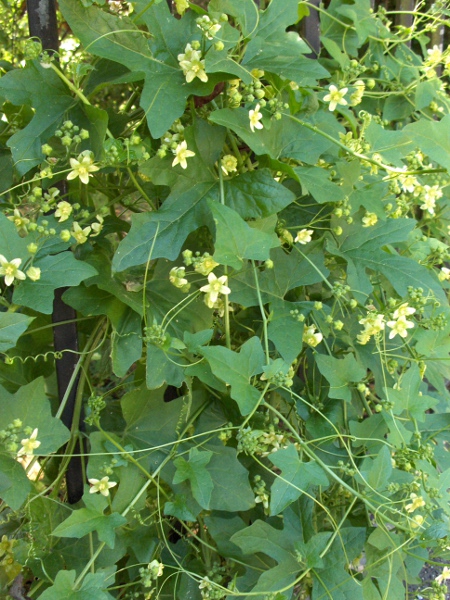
[284,330]
[236,241]
[31,405]
[11,244]
[14,483]
[84,520]
[291,270]
[47,94]
[232,491]
[276,18]
[341,374]
[12,325]
[194,470]
[392,145]
[262,537]
[236,369]
[284,57]
[244,11]
[407,396]
[362,249]
[93,587]
[256,194]
[170,226]
[57,271]
[104,34]
[317,182]
[433,138]
[296,477]
[162,368]
[151,422]
[285,139]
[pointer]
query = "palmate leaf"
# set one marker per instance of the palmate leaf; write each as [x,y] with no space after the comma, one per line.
[341,374]
[236,369]
[236,241]
[12,325]
[56,271]
[433,138]
[85,520]
[115,38]
[362,249]
[290,271]
[296,477]
[63,588]
[47,94]
[196,472]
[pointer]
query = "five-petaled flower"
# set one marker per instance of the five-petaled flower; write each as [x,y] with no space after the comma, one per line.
[181,154]
[399,327]
[255,117]
[29,444]
[63,211]
[416,502]
[215,286]
[310,337]
[10,269]
[102,485]
[192,64]
[80,235]
[336,97]
[304,236]
[228,164]
[83,167]
[443,576]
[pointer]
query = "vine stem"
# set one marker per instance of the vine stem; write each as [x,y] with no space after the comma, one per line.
[226,315]
[263,314]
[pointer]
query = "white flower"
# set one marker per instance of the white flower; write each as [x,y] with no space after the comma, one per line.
[10,270]
[417,502]
[215,286]
[358,94]
[399,327]
[434,55]
[429,197]
[97,227]
[181,154]
[408,182]
[403,311]
[29,444]
[83,167]
[102,485]
[444,274]
[19,221]
[336,97]
[255,117]
[373,323]
[181,6]
[63,211]
[443,576]
[304,236]
[311,338]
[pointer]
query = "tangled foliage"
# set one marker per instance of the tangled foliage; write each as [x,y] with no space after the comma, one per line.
[259,237]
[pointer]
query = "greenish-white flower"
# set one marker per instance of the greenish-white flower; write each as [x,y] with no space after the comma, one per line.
[29,445]
[34,273]
[370,219]
[102,485]
[63,211]
[83,167]
[181,154]
[228,164]
[304,236]
[335,97]
[10,269]
[215,286]
[80,234]
[255,117]
[192,64]
[399,327]
[311,337]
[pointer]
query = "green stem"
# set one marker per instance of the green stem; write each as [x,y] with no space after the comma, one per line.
[139,188]
[263,314]
[226,301]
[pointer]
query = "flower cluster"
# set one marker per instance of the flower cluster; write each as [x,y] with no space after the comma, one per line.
[177,278]
[209,27]
[192,64]
[373,324]
[202,264]
[150,573]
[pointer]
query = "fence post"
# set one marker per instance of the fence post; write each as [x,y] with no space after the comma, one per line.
[43,25]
